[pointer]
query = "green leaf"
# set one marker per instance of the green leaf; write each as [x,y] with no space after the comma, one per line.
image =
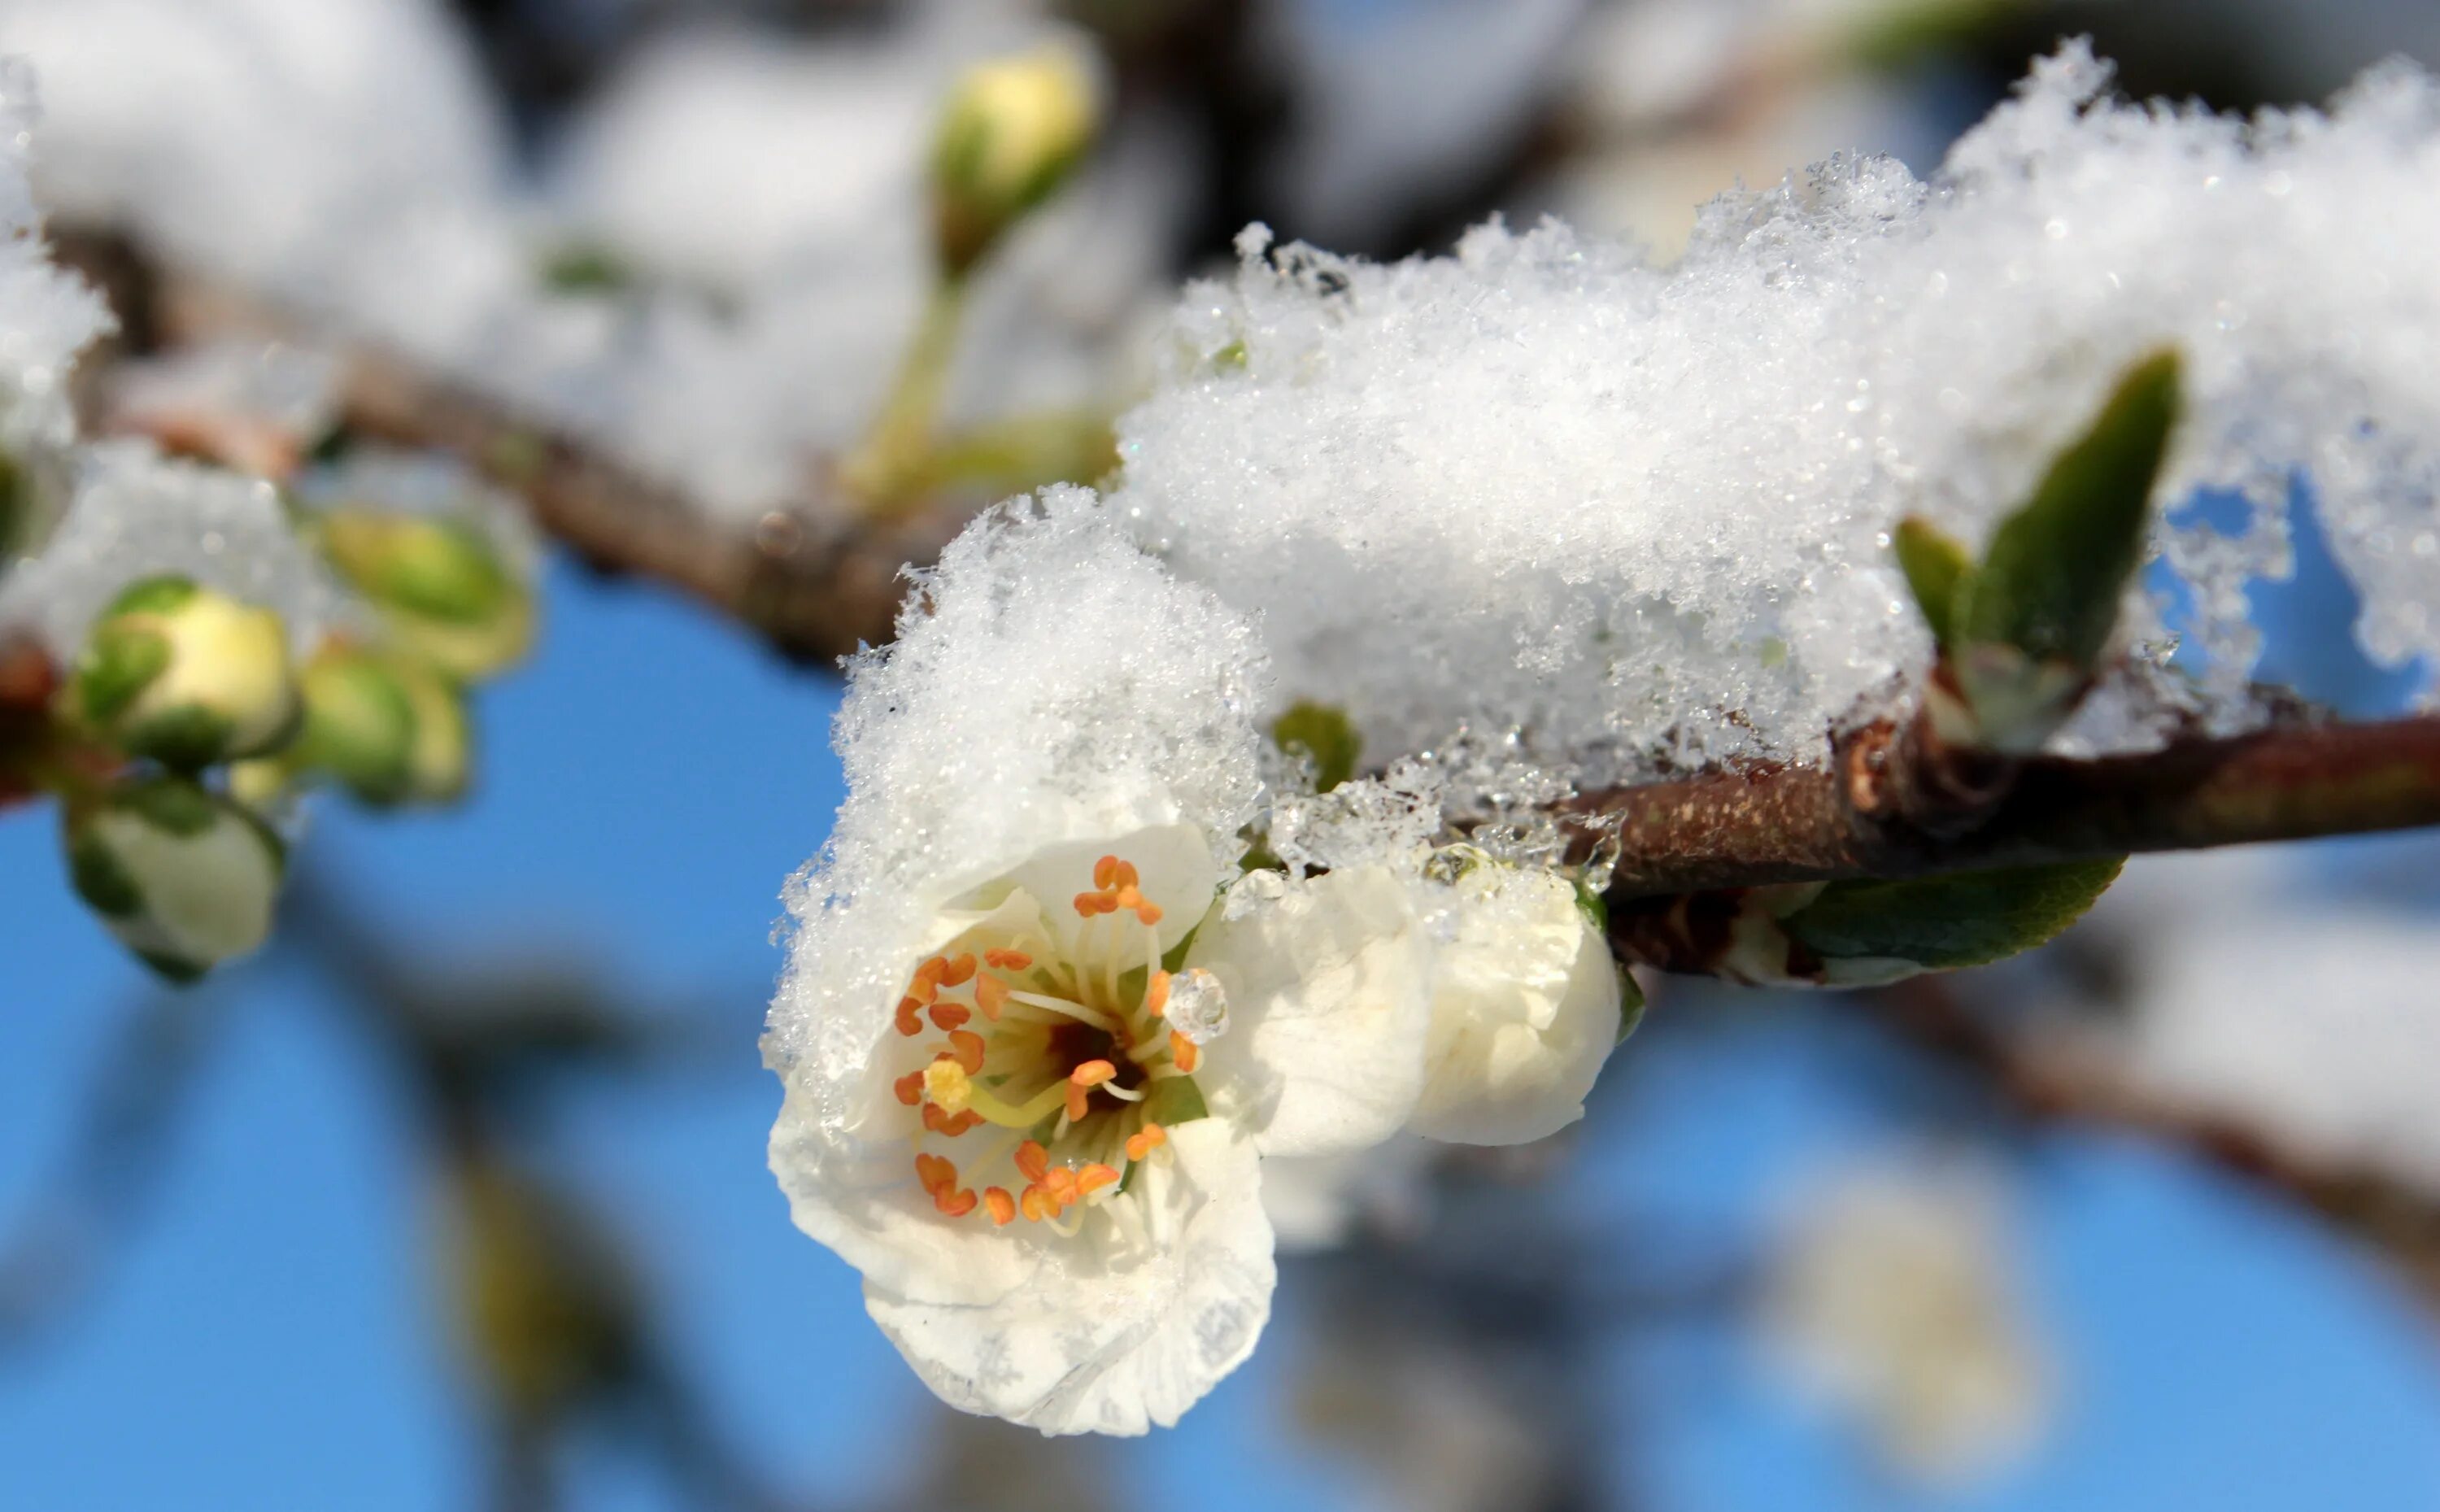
[187,739]
[98,877]
[119,661]
[1175,1100]
[1630,1006]
[1595,907]
[1945,923]
[153,595]
[1937,568]
[1324,736]
[171,804]
[1174,959]
[2051,583]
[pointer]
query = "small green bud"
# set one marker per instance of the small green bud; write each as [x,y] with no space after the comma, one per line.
[1012,131]
[385,726]
[440,585]
[1324,736]
[184,676]
[185,878]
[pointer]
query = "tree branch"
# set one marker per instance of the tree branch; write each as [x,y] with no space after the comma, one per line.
[812,578]
[1868,813]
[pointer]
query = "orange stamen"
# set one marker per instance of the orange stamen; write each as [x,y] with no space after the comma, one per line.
[967,1047]
[932,970]
[990,996]
[1105,872]
[1003,1207]
[910,1088]
[1183,1052]
[1031,1205]
[949,1125]
[908,1022]
[1093,1178]
[1157,994]
[950,1015]
[1093,1073]
[961,971]
[1123,874]
[956,1206]
[937,1174]
[1146,1139]
[1008,960]
[1032,1160]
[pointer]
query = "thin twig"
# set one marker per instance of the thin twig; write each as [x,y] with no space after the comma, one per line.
[814,578]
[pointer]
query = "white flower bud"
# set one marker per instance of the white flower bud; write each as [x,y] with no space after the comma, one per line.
[1012,131]
[185,676]
[185,878]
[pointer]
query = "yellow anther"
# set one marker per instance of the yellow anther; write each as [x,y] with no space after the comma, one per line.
[946,1083]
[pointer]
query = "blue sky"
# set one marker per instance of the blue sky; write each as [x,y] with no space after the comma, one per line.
[272,1334]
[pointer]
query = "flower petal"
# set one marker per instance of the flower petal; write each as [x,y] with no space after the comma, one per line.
[1525,1009]
[1102,1336]
[1174,866]
[1328,1011]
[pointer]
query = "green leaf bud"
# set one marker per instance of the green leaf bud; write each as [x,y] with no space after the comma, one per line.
[183,878]
[386,726]
[442,585]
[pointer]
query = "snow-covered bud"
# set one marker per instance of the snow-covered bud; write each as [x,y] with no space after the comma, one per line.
[185,878]
[1012,131]
[185,676]
[443,586]
[386,726]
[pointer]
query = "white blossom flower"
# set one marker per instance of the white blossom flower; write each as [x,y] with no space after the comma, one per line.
[1526,1005]
[1052,1190]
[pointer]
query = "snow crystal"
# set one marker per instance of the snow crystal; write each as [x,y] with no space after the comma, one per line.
[46,316]
[1049,682]
[135,514]
[1640,516]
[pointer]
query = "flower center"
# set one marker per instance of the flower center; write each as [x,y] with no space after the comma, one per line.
[1050,1068]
